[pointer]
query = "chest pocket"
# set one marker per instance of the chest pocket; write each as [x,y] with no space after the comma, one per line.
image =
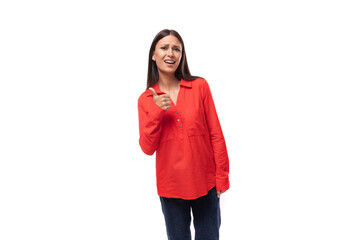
[195,121]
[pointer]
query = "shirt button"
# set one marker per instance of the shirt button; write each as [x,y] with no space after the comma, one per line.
[178,120]
[176,112]
[179,126]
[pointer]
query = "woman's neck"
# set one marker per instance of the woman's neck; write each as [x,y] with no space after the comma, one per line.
[168,82]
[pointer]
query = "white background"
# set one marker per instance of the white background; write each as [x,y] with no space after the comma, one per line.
[285,79]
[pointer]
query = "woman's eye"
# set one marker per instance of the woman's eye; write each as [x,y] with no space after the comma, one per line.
[177,49]
[164,48]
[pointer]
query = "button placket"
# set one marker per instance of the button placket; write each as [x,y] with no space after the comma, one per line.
[178,119]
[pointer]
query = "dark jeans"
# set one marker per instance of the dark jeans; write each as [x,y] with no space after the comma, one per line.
[206,212]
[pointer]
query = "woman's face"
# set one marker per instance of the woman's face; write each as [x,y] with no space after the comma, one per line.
[167,54]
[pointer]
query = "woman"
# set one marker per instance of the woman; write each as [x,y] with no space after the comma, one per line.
[178,120]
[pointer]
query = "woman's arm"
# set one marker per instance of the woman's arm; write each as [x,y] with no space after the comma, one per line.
[151,111]
[150,117]
[217,141]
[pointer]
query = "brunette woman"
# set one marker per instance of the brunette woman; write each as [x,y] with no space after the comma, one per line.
[178,120]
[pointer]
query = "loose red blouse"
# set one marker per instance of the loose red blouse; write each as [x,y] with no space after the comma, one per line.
[191,154]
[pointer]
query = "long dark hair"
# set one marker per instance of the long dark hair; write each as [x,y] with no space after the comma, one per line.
[182,72]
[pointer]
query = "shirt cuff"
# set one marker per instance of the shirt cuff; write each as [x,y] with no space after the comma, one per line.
[222,184]
[156,112]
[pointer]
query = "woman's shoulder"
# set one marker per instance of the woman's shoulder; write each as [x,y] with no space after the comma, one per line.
[200,83]
[144,96]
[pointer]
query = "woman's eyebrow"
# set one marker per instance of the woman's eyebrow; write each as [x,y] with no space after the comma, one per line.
[166,45]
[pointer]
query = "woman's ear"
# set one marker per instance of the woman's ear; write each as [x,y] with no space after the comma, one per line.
[153,58]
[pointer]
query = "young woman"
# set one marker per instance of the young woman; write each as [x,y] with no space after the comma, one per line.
[178,120]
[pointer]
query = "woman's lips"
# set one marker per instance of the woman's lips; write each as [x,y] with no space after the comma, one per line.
[169,62]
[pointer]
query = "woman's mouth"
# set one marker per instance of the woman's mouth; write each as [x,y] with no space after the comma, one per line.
[169,62]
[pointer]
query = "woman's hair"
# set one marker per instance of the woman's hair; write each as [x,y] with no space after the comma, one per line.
[182,72]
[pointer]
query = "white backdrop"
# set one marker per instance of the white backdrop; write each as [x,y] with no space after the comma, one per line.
[285,79]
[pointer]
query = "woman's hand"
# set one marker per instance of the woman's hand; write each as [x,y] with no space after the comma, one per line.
[162,101]
[219,193]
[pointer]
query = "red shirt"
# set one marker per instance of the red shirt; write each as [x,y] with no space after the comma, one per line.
[191,154]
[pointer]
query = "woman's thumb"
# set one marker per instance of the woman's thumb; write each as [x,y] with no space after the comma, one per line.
[153,92]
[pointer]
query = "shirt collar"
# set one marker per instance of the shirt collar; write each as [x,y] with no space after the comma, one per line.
[186,83]
[183,83]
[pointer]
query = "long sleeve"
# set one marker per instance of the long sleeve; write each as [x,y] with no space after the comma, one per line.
[150,118]
[217,140]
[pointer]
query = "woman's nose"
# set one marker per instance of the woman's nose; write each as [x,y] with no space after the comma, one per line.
[170,53]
